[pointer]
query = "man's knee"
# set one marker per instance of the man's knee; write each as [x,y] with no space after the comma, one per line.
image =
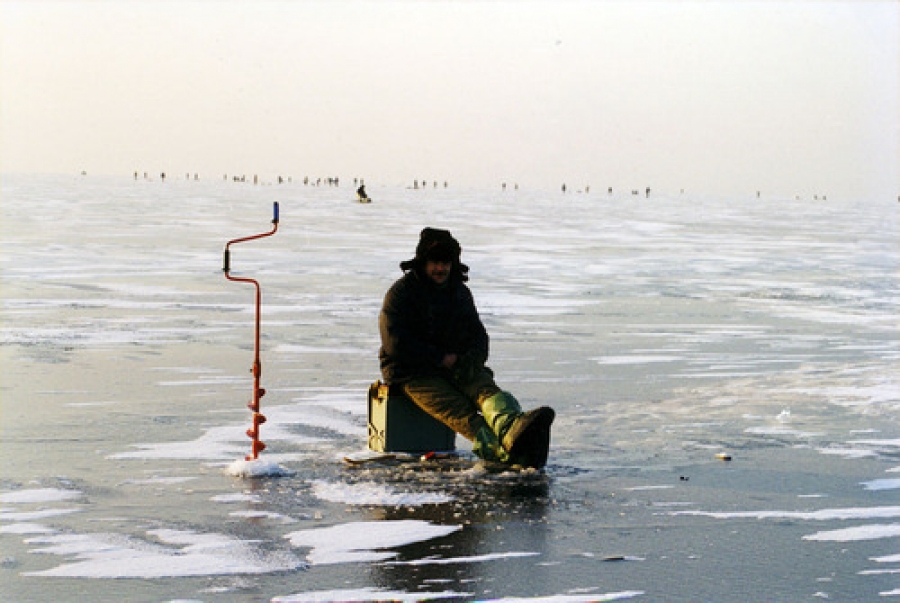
[442,400]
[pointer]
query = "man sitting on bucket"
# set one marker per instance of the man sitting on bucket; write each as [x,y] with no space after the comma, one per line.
[434,348]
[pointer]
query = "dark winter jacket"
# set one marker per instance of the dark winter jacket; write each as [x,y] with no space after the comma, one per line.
[421,322]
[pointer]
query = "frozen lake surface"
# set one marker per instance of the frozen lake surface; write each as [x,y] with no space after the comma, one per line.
[665,331]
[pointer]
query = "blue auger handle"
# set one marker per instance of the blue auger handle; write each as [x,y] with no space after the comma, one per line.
[275,210]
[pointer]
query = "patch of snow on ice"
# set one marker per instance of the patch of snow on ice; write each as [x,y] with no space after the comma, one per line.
[882,484]
[256,468]
[364,594]
[371,493]
[157,480]
[217,443]
[364,541]
[847,453]
[39,495]
[634,359]
[227,441]
[869,532]
[878,572]
[470,559]
[310,415]
[7,515]
[263,515]
[881,443]
[821,515]
[25,528]
[585,598]
[286,348]
[236,497]
[781,431]
[505,303]
[194,554]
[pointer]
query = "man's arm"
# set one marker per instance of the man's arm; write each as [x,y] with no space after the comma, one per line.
[401,338]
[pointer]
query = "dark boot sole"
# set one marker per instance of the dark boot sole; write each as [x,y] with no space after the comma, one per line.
[531,438]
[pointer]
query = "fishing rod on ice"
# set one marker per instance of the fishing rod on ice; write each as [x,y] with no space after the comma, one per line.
[258,419]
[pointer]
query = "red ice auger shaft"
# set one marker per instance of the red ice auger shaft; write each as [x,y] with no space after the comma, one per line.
[258,392]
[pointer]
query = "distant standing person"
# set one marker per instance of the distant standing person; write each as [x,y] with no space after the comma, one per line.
[434,347]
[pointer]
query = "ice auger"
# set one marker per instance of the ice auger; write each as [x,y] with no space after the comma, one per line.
[258,392]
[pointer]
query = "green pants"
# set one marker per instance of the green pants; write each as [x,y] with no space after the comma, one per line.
[455,403]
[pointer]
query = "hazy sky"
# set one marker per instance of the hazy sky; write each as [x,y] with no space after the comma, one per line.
[786,97]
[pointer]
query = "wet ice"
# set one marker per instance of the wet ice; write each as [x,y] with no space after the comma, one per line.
[663,331]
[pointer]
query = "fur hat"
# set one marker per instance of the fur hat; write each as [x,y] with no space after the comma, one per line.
[439,246]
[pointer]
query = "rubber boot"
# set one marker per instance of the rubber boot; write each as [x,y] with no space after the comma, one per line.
[487,447]
[524,435]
